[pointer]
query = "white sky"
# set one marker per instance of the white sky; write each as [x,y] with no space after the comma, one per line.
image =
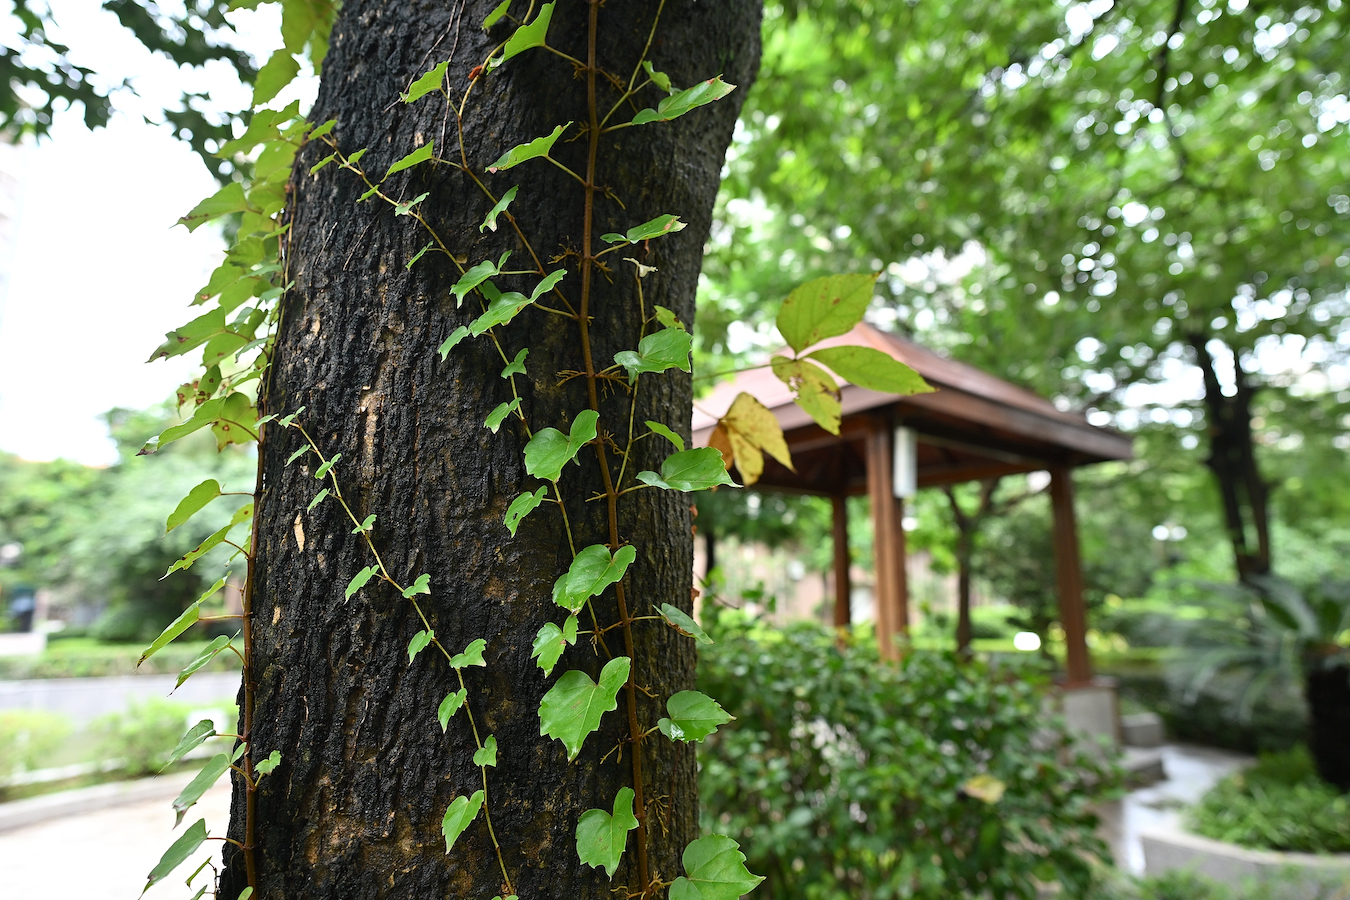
[96,271]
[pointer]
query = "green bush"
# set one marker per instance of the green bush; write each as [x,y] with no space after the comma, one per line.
[855,778]
[143,735]
[28,738]
[1278,804]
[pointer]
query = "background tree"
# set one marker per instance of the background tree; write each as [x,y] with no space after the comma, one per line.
[1140,193]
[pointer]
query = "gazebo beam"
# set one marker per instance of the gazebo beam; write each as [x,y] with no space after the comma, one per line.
[1069,579]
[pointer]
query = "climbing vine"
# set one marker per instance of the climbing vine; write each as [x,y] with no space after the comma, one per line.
[236,335]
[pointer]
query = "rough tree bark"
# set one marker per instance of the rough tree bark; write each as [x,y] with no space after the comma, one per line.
[354,811]
[1232,459]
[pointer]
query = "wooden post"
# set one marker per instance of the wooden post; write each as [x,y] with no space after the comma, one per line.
[887,535]
[1069,579]
[843,611]
[900,555]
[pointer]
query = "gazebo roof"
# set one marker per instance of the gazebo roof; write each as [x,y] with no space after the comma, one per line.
[973,426]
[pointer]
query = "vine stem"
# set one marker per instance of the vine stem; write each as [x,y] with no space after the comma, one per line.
[611,497]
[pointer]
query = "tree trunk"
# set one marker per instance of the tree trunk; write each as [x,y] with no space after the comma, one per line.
[354,810]
[1327,690]
[1232,459]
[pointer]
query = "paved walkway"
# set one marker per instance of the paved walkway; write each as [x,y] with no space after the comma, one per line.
[1190,772]
[114,849]
[85,699]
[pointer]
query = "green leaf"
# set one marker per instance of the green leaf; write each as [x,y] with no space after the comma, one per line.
[549,450]
[872,369]
[431,81]
[573,707]
[265,766]
[245,894]
[459,816]
[550,642]
[186,619]
[517,365]
[231,426]
[816,392]
[668,348]
[449,706]
[690,470]
[521,507]
[534,149]
[318,498]
[660,79]
[658,428]
[715,869]
[194,334]
[490,221]
[195,737]
[229,199]
[209,775]
[593,570]
[681,102]
[472,655]
[275,74]
[419,643]
[487,754]
[684,623]
[421,154]
[601,837]
[418,255]
[359,580]
[693,716]
[985,788]
[666,317]
[824,307]
[455,337]
[205,547]
[405,209]
[301,451]
[496,15]
[499,414]
[421,586]
[471,279]
[321,130]
[527,36]
[210,652]
[178,851]
[666,224]
[326,466]
[193,503]
[366,525]
[499,312]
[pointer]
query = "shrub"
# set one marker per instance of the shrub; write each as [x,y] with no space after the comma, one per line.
[863,780]
[1278,804]
[143,735]
[28,738]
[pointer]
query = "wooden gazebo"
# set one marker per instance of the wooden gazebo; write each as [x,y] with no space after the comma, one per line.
[974,426]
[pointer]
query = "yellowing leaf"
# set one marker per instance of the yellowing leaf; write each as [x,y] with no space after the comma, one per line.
[816,391]
[750,428]
[984,787]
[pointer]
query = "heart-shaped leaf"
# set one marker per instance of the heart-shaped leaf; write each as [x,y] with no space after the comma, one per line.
[573,707]
[602,836]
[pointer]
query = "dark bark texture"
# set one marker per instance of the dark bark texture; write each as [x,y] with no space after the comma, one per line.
[354,811]
[1327,689]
